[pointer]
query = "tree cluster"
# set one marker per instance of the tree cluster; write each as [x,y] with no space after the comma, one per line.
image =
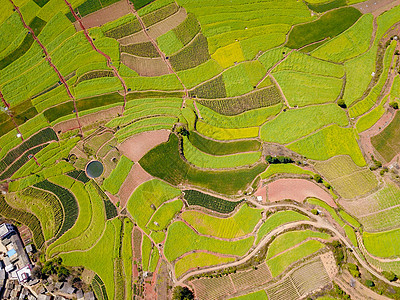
[278,160]
[182,293]
[51,267]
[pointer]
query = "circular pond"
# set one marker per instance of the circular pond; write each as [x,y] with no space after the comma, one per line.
[94,169]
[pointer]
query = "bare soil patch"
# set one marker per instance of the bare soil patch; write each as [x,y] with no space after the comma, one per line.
[297,190]
[104,15]
[376,7]
[136,177]
[157,29]
[137,146]
[145,66]
[329,263]
[88,119]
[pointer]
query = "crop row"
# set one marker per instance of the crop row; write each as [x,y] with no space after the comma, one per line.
[51,201]
[193,55]
[67,200]
[25,218]
[100,287]
[160,14]
[261,98]
[194,197]
[79,175]
[41,137]
[111,210]
[21,161]
[145,49]
[94,74]
[124,30]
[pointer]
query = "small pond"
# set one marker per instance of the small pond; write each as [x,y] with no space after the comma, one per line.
[94,169]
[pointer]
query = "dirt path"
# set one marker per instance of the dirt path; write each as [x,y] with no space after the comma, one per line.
[108,58]
[48,58]
[151,39]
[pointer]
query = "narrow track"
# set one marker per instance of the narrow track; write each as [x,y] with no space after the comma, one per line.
[48,58]
[107,57]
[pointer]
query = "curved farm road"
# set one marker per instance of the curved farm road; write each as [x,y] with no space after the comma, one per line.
[320,223]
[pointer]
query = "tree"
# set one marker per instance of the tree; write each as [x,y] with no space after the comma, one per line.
[37,272]
[314,211]
[341,103]
[318,178]
[182,293]
[354,271]
[394,105]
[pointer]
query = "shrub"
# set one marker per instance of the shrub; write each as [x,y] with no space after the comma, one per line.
[394,105]
[354,271]
[389,275]
[369,283]
[317,178]
[182,293]
[314,211]
[278,160]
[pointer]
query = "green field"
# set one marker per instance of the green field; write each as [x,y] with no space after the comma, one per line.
[241,223]
[118,175]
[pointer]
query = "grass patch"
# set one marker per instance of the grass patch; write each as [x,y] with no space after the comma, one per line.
[164,214]
[241,223]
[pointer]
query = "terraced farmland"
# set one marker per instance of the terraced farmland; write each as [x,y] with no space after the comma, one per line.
[198,110]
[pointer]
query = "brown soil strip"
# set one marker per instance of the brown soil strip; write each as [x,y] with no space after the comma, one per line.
[297,190]
[136,177]
[104,15]
[157,29]
[137,146]
[88,119]
[376,7]
[145,66]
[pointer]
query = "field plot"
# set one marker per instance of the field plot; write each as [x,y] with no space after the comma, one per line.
[300,88]
[190,241]
[196,260]
[351,43]
[277,219]
[348,179]
[284,169]
[264,97]
[382,244]
[378,211]
[279,263]
[174,170]
[241,223]
[295,128]
[213,288]
[328,25]
[118,175]
[147,198]
[387,142]
[336,141]
[204,160]
[210,202]
[297,190]
[260,295]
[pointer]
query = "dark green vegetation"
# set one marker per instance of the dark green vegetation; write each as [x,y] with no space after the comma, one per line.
[23,217]
[41,3]
[323,7]
[222,148]
[160,14]
[234,106]
[16,165]
[79,175]
[145,49]
[192,55]
[67,200]
[22,113]
[328,25]
[42,137]
[164,161]
[94,74]
[214,88]
[188,29]
[124,30]
[141,3]
[37,25]
[182,293]
[194,197]
[90,6]
[99,288]
[387,142]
